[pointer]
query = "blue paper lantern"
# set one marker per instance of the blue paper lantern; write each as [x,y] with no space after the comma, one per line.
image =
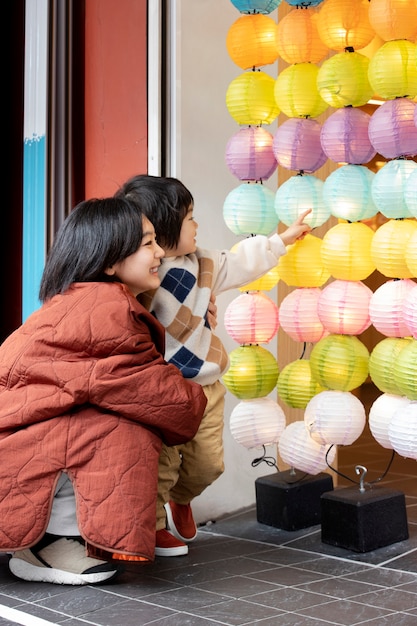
[347,193]
[249,209]
[296,195]
[410,192]
[256,6]
[388,188]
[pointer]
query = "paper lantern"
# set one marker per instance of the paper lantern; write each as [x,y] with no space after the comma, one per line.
[302,266]
[298,40]
[343,307]
[250,209]
[388,187]
[296,92]
[335,417]
[392,130]
[343,81]
[256,423]
[249,154]
[298,315]
[265,283]
[405,370]
[344,136]
[410,311]
[346,251]
[386,307]
[394,19]
[297,145]
[251,318]
[296,385]
[411,254]
[300,451]
[388,248]
[392,70]
[296,195]
[344,24]
[382,364]
[305,4]
[347,193]
[251,41]
[250,99]
[253,372]
[339,362]
[256,6]
[402,431]
[380,415]
[410,192]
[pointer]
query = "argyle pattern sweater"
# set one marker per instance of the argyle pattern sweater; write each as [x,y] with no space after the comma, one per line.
[182,300]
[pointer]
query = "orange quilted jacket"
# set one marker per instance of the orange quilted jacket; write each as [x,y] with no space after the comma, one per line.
[84,388]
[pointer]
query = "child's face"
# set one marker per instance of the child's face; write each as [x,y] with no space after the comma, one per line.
[139,271]
[187,243]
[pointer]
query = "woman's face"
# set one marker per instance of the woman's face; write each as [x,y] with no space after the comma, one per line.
[139,271]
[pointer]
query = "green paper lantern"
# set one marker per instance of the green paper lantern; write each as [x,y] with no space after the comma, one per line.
[382,364]
[405,370]
[253,372]
[340,362]
[296,384]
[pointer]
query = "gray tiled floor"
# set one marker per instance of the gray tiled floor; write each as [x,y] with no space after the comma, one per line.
[239,572]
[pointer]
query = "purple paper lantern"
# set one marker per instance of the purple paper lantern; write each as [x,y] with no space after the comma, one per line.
[392,128]
[344,136]
[249,154]
[297,145]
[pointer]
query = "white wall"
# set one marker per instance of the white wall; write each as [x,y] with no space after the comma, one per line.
[203,126]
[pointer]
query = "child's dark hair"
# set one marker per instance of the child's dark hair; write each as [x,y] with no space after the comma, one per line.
[96,234]
[165,202]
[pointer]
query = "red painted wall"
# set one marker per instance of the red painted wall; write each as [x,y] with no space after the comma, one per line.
[116,139]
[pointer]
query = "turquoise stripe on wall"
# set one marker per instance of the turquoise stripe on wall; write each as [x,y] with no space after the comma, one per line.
[34,238]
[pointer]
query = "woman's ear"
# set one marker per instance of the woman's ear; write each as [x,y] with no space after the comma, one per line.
[110,271]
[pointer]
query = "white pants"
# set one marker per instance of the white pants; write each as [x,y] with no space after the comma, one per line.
[63,520]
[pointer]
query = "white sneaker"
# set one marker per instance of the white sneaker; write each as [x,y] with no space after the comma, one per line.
[62,561]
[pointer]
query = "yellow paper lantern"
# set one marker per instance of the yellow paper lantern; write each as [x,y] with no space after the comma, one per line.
[394,19]
[296,92]
[339,362]
[392,70]
[250,99]
[296,384]
[298,39]
[382,363]
[253,372]
[265,283]
[345,24]
[389,245]
[411,254]
[343,80]
[302,266]
[251,41]
[346,251]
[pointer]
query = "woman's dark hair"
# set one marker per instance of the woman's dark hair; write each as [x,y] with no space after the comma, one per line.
[164,200]
[97,234]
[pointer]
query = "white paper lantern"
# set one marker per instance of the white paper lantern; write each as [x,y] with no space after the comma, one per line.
[410,311]
[402,431]
[386,307]
[335,417]
[380,415]
[300,451]
[256,423]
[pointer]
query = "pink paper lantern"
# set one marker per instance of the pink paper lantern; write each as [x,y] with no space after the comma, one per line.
[386,307]
[343,307]
[297,145]
[251,318]
[392,130]
[249,154]
[410,311]
[344,136]
[298,315]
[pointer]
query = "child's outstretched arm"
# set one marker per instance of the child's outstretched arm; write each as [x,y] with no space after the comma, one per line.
[296,230]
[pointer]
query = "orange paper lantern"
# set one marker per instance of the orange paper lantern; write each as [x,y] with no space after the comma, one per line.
[345,24]
[298,39]
[251,41]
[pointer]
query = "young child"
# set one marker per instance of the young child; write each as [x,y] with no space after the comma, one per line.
[189,275]
[86,399]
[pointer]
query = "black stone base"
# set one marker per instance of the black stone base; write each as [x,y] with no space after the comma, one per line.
[363,521]
[290,500]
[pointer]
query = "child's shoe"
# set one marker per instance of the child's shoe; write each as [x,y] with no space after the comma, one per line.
[168,545]
[180,521]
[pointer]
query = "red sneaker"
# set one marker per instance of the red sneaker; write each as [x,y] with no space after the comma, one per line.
[180,521]
[168,545]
